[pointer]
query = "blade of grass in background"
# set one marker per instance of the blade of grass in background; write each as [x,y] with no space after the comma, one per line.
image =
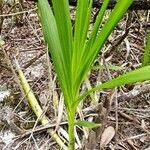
[146,58]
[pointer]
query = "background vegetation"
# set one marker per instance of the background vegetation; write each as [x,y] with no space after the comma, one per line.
[116,109]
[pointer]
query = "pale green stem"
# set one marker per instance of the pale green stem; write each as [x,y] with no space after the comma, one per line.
[71,120]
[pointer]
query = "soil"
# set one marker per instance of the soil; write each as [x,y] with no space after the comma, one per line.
[126,109]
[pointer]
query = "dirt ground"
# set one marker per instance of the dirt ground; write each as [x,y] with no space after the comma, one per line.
[123,112]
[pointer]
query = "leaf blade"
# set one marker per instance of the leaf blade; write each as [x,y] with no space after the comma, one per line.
[91,52]
[87,124]
[137,75]
[52,39]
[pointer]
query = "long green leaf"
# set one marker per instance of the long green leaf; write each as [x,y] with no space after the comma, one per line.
[97,23]
[63,21]
[87,124]
[91,53]
[52,38]
[83,41]
[81,23]
[138,75]
[80,35]
[146,58]
[62,17]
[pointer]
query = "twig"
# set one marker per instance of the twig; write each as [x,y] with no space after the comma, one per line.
[30,62]
[135,93]
[25,87]
[131,109]
[134,137]
[38,129]
[18,13]
[36,107]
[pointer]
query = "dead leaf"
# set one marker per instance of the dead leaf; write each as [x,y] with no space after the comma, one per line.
[107,136]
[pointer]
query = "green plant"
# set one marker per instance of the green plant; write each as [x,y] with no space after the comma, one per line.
[146,57]
[1,12]
[73,54]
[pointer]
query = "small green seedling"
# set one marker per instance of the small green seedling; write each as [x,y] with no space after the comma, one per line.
[73,53]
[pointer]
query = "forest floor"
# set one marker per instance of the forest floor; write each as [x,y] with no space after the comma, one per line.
[124,112]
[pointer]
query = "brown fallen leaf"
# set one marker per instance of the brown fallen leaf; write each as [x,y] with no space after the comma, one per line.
[107,136]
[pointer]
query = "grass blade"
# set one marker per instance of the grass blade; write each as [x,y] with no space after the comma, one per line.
[80,37]
[91,53]
[146,58]
[87,124]
[51,35]
[63,21]
[97,23]
[138,75]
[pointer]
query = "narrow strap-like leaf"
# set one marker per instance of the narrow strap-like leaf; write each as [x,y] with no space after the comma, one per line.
[97,23]
[87,60]
[63,20]
[87,124]
[51,36]
[137,75]
[82,20]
